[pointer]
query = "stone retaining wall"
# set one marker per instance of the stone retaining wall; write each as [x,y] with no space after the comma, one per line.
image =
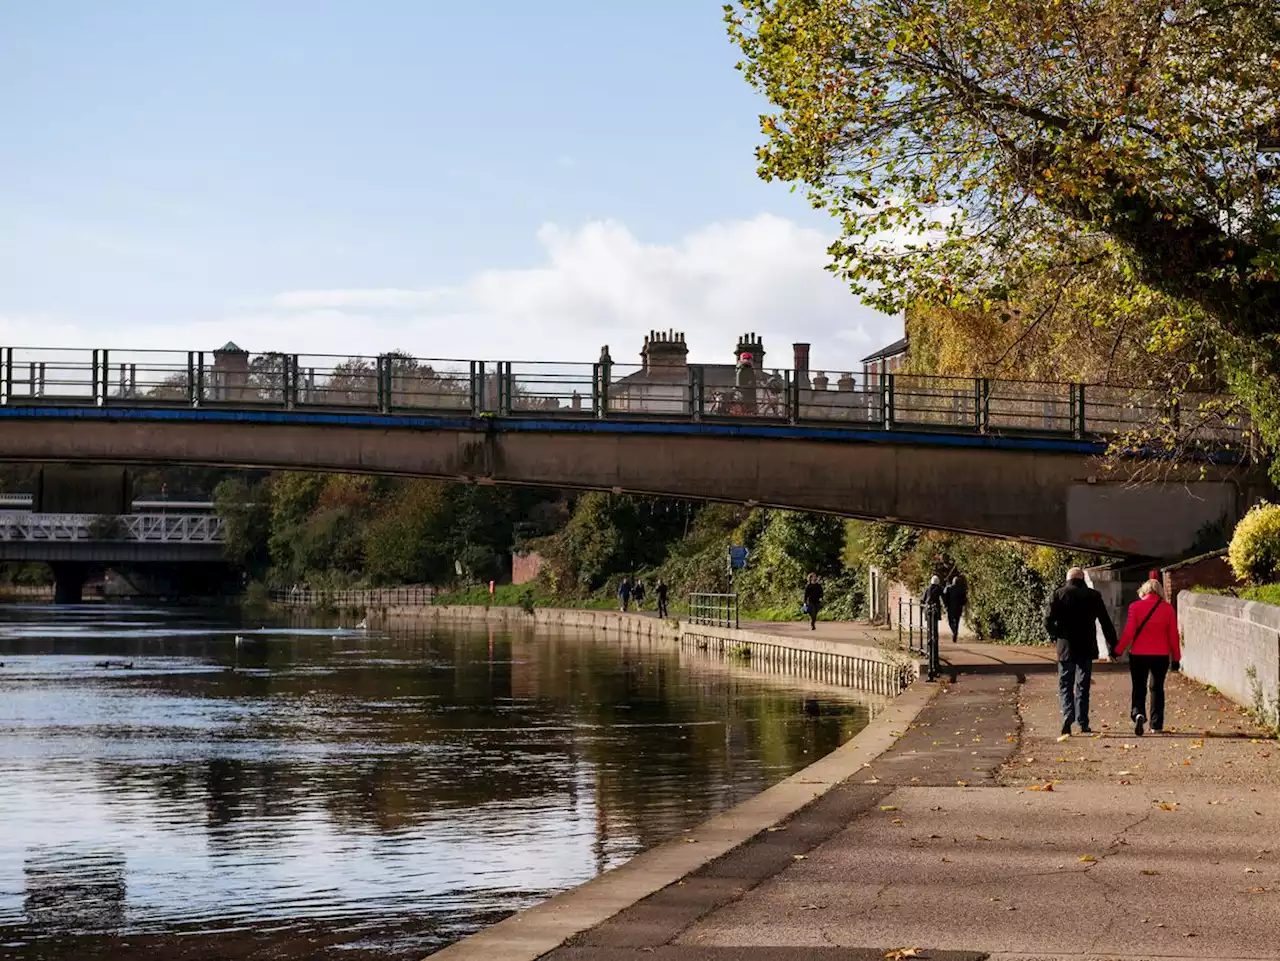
[1235,646]
[612,621]
[845,665]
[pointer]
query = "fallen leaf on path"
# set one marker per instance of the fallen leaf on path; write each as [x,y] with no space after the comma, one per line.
[689,840]
[1150,873]
[1169,807]
[888,807]
[812,907]
[902,954]
[799,857]
[1088,859]
[1065,737]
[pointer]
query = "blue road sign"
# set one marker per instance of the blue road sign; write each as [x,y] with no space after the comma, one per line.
[738,557]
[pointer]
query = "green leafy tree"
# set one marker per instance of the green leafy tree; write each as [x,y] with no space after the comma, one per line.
[971,149]
[246,514]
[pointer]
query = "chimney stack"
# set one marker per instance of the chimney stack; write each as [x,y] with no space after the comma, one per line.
[665,355]
[753,345]
[800,355]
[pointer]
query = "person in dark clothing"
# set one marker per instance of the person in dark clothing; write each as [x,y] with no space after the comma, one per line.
[637,594]
[661,592]
[813,600]
[931,606]
[624,595]
[1074,615]
[955,596]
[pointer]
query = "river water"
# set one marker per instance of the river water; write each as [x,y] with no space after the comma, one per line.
[312,793]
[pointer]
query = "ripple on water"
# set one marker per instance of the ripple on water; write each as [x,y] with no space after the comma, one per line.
[306,796]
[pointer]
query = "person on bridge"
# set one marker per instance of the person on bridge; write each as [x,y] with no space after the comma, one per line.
[661,592]
[931,605]
[624,595]
[1074,615]
[955,596]
[1151,638]
[813,600]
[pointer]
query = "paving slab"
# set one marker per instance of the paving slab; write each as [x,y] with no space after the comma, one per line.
[1044,858]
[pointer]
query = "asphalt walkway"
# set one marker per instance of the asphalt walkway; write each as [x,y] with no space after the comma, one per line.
[981,834]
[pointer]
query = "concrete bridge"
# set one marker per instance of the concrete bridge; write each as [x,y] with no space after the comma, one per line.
[996,458]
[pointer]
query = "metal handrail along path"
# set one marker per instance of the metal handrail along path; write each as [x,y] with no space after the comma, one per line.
[714,610]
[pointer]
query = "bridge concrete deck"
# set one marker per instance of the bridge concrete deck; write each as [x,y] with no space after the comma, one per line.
[1049,490]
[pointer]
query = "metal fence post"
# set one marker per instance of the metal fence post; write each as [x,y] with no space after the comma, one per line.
[7,359]
[477,387]
[888,401]
[605,367]
[199,394]
[291,381]
[1080,412]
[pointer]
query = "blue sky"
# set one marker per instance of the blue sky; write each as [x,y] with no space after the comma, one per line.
[501,179]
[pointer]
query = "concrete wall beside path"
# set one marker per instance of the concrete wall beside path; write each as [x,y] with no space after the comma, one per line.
[636,625]
[1233,645]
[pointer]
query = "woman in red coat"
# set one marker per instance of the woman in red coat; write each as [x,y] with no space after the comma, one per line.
[1151,638]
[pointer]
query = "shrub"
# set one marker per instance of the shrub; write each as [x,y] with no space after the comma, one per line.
[1254,553]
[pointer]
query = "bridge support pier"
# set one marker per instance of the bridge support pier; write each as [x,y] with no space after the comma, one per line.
[68,582]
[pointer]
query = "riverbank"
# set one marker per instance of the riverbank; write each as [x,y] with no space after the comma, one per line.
[953,824]
[867,662]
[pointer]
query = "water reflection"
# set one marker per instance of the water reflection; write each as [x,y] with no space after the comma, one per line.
[310,793]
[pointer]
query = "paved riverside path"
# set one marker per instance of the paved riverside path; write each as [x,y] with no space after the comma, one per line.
[952,841]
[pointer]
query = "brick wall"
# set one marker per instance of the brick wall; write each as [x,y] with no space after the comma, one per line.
[525,567]
[1211,571]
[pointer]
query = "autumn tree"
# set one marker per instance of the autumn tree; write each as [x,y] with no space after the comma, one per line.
[975,149]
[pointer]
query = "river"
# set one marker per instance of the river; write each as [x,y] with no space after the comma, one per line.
[315,793]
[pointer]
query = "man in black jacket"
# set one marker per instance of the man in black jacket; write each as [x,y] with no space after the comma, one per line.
[1074,612]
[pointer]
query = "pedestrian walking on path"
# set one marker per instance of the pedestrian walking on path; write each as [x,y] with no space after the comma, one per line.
[955,597]
[1151,638]
[638,594]
[1075,613]
[661,592]
[813,600]
[931,604]
[624,595]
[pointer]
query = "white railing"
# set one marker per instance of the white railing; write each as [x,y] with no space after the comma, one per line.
[131,528]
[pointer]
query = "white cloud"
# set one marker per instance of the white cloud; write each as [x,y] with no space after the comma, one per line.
[596,284]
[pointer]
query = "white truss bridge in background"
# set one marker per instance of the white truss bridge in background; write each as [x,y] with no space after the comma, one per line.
[127,528]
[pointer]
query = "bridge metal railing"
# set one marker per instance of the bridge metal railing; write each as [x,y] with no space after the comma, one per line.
[136,528]
[419,595]
[714,610]
[399,384]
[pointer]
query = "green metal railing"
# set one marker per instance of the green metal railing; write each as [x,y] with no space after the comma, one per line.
[714,610]
[396,384]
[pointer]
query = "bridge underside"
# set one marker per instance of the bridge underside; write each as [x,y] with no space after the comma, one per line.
[109,553]
[1050,492]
